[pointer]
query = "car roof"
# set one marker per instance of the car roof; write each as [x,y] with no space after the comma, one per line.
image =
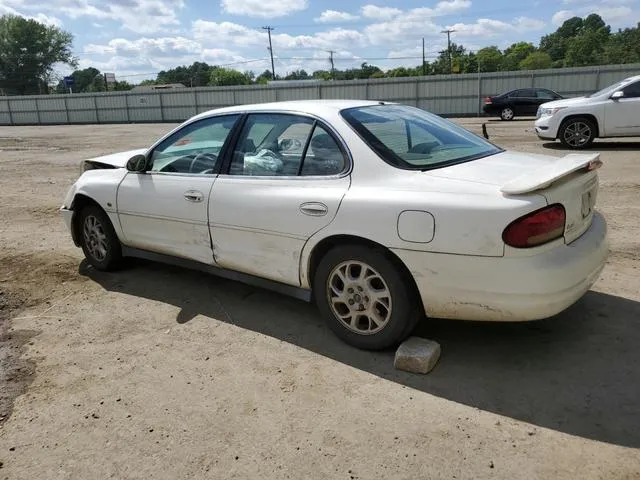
[314,107]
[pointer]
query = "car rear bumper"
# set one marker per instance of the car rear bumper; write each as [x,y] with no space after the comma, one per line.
[518,288]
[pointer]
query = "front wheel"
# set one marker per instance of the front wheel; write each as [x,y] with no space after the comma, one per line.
[577,133]
[507,113]
[365,299]
[98,239]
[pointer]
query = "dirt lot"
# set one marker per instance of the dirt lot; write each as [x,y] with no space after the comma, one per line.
[157,372]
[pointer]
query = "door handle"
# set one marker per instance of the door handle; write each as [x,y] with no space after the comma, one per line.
[314,209]
[193,196]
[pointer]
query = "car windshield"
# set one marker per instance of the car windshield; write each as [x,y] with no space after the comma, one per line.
[410,138]
[610,89]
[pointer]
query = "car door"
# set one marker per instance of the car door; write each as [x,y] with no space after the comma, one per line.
[527,101]
[165,209]
[622,115]
[286,179]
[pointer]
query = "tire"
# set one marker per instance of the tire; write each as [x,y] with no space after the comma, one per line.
[397,310]
[577,133]
[507,114]
[98,239]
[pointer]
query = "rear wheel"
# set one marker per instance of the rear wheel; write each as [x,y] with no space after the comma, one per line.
[365,299]
[507,113]
[98,239]
[577,133]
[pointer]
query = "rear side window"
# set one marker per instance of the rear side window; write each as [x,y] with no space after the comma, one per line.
[410,138]
[545,95]
[285,145]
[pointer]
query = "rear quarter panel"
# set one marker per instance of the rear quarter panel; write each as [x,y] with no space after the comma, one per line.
[465,223]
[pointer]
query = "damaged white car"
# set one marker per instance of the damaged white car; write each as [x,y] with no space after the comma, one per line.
[379,212]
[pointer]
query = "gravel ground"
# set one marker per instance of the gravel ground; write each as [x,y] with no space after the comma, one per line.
[158,372]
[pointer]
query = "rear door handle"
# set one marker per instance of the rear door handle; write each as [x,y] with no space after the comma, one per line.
[314,209]
[193,196]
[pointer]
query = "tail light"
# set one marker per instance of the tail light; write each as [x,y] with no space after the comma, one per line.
[488,101]
[536,228]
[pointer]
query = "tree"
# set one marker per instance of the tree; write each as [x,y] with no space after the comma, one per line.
[623,47]
[536,61]
[221,76]
[555,44]
[83,79]
[28,52]
[195,75]
[515,54]
[490,59]
[587,47]
[297,75]
[264,77]
[441,64]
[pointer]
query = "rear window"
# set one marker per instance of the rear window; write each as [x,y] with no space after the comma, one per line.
[410,138]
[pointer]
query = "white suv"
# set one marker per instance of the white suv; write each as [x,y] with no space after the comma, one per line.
[611,112]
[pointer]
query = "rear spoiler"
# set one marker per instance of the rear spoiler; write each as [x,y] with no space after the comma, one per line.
[544,177]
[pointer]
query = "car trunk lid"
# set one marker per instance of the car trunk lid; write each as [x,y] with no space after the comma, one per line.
[571,181]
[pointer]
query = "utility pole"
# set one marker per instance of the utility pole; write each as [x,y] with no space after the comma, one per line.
[449,32]
[331,52]
[424,67]
[273,70]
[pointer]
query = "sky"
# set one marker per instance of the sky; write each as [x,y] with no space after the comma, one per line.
[135,39]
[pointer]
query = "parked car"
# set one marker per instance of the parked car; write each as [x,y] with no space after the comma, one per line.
[524,101]
[379,212]
[611,112]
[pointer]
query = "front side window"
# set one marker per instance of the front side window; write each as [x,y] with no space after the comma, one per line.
[195,148]
[632,91]
[610,89]
[273,144]
[410,138]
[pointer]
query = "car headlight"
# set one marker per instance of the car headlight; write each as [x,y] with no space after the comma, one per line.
[549,112]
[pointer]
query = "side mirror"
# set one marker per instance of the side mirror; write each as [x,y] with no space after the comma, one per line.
[137,163]
[617,95]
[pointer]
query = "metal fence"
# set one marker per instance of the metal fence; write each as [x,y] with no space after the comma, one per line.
[447,95]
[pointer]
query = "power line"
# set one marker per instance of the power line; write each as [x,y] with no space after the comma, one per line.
[273,68]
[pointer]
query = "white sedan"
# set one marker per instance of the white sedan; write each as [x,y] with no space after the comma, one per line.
[380,212]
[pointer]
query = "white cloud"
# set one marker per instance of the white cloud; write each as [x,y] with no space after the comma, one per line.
[141,16]
[228,33]
[146,47]
[487,27]
[613,12]
[526,24]
[330,16]
[263,8]
[381,13]
[562,16]
[411,24]
[48,20]
[617,15]
[40,17]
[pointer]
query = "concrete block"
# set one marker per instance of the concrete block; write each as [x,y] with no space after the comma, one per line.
[417,355]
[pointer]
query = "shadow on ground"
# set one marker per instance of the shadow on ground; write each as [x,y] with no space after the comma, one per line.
[517,119]
[577,373]
[597,146]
